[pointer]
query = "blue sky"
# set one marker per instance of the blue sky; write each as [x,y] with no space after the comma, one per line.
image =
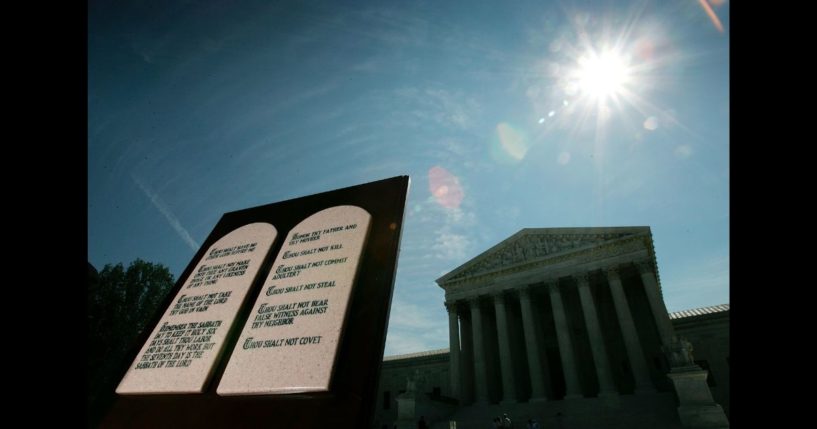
[506,115]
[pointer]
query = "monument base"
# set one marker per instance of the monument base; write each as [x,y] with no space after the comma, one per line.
[697,408]
[703,416]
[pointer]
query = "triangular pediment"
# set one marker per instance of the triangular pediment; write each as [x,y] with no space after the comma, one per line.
[533,244]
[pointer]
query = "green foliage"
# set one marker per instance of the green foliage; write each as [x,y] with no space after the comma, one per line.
[120,304]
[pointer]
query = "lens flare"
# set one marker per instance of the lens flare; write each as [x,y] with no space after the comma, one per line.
[651,123]
[711,14]
[512,141]
[564,158]
[445,187]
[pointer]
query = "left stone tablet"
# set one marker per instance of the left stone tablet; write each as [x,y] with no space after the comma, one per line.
[184,347]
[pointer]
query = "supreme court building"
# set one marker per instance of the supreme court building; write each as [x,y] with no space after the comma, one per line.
[567,326]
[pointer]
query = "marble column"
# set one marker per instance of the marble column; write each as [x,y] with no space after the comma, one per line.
[591,320]
[505,358]
[565,344]
[659,309]
[631,342]
[536,362]
[466,360]
[454,344]
[480,364]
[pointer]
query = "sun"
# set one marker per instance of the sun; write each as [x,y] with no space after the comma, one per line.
[603,75]
[601,79]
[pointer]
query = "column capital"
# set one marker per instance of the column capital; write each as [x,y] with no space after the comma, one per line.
[524,292]
[473,301]
[613,272]
[552,285]
[644,266]
[582,278]
[451,306]
[498,295]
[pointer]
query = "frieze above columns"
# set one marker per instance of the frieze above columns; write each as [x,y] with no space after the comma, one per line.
[519,254]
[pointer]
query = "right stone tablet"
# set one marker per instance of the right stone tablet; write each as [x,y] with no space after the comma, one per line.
[291,338]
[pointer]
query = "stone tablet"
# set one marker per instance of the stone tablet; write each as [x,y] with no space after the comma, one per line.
[291,338]
[181,353]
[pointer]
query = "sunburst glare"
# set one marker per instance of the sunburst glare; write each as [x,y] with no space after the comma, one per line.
[606,72]
[602,75]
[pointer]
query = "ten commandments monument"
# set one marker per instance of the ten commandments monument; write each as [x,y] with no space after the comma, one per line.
[280,316]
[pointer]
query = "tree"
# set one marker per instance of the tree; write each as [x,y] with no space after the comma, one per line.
[120,304]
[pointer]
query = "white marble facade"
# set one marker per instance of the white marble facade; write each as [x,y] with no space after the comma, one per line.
[558,313]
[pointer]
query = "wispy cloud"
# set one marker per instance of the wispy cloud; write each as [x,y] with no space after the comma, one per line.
[405,315]
[168,214]
[398,343]
[452,110]
[381,26]
[414,328]
[451,246]
[460,217]
[450,225]
[442,240]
